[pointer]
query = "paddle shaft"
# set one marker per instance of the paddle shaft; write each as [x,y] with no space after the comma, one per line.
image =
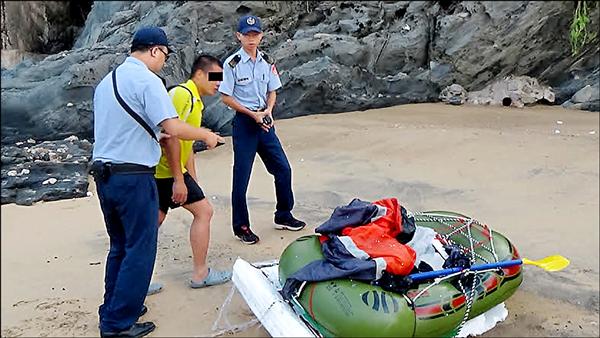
[439,273]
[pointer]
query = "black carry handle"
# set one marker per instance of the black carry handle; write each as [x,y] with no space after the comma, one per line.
[191,99]
[129,110]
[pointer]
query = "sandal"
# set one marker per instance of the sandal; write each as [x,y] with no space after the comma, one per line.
[214,277]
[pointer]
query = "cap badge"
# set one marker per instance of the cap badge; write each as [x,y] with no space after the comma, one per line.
[250,21]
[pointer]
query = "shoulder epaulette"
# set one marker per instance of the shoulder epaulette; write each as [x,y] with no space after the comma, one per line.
[267,58]
[234,61]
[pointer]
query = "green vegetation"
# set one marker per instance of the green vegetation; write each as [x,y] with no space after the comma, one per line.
[581,34]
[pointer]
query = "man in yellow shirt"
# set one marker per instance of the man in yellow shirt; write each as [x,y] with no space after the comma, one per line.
[175,176]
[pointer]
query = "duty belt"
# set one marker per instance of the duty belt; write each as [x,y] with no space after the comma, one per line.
[102,170]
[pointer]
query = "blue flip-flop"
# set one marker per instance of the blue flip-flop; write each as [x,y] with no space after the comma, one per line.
[214,277]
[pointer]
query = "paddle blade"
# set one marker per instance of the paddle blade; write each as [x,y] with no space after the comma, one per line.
[550,263]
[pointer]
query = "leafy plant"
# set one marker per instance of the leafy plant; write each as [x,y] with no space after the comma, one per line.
[580,34]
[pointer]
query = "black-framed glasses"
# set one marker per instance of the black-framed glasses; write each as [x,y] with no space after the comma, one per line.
[166,54]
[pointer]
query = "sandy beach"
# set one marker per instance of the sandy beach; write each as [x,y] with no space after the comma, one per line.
[507,167]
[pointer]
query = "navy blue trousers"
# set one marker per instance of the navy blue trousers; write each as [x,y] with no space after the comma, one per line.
[129,203]
[248,140]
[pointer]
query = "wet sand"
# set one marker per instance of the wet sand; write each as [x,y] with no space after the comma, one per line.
[506,167]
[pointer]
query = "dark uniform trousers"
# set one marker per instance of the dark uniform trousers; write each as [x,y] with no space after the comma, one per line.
[129,202]
[249,139]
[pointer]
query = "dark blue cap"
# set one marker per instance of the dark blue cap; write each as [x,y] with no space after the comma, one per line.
[151,36]
[249,23]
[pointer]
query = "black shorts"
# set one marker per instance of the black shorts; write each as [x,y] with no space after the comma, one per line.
[165,192]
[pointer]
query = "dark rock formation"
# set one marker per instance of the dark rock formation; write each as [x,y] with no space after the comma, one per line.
[332,56]
[38,28]
[47,171]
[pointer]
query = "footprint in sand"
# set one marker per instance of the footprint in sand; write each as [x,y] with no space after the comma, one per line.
[53,317]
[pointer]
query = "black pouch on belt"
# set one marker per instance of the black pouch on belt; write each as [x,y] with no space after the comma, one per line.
[100,170]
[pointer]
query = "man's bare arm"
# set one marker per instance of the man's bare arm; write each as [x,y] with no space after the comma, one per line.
[190,165]
[173,154]
[179,129]
[271,99]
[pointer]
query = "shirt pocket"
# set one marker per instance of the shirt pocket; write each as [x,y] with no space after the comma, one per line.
[262,82]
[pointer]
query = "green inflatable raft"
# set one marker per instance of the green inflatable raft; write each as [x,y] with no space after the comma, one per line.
[350,308]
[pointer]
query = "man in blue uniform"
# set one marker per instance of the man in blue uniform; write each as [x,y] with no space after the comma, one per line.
[250,80]
[130,104]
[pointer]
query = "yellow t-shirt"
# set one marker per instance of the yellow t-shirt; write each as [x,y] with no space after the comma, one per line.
[182,102]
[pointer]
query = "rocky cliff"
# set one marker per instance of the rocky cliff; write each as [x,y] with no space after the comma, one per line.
[332,56]
[35,29]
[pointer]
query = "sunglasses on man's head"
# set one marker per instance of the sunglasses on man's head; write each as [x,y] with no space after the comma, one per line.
[215,76]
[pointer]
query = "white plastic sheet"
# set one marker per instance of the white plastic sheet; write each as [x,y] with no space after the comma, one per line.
[258,284]
[268,306]
[484,322]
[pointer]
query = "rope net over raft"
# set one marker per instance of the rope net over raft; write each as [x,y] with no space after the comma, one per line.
[458,232]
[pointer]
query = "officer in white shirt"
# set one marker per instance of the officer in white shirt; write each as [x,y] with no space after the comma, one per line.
[130,105]
[250,80]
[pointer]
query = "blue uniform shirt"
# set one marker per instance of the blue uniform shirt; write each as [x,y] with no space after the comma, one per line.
[118,138]
[248,82]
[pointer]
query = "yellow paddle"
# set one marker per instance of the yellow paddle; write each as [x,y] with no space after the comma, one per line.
[550,263]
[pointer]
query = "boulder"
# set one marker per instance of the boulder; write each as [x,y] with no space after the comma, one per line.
[515,91]
[586,94]
[454,94]
[587,98]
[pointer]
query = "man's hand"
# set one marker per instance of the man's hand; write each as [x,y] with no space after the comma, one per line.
[163,137]
[212,139]
[258,116]
[179,191]
[263,114]
[269,112]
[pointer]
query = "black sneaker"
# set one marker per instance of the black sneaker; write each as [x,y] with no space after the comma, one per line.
[136,330]
[289,223]
[246,235]
[143,312]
